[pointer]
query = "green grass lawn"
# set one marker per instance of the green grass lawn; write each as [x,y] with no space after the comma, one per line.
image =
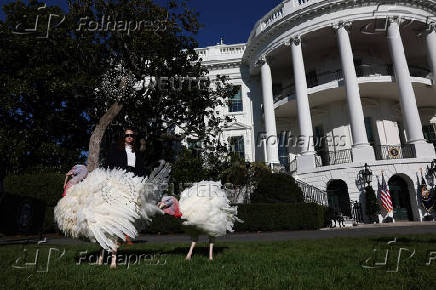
[322,264]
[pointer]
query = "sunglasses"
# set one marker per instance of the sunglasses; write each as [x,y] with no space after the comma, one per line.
[129,135]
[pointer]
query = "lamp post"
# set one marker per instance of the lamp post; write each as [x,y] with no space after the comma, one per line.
[365,175]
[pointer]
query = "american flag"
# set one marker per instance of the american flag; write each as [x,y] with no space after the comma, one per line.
[385,195]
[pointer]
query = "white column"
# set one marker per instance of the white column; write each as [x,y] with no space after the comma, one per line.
[269,115]
[431,50]
[362,151]
[303,107]
[409,108]
[305,162]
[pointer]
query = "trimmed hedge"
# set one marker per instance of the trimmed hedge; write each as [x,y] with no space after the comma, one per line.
[258,217]
[280,216]
[45,187]
[277,188]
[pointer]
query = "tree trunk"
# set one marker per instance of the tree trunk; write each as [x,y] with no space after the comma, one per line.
[97,135]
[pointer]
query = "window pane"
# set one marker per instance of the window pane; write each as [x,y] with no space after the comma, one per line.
[235,102]
[237,146]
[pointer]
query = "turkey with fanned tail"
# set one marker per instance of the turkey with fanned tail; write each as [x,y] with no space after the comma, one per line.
[106,205]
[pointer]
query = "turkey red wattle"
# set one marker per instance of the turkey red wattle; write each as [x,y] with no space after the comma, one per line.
[174,209]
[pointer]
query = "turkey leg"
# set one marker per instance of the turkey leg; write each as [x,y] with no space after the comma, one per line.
[194,240]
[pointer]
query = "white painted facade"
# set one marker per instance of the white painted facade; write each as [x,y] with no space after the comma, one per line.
[359,73]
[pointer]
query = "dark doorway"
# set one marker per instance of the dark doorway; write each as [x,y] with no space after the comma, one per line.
[339,200]
[400,198]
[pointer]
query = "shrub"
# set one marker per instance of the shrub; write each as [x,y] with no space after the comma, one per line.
[371,204]
[237,174]
[44,187]
[258,217]
[187,168]
[47,187]
[276,187]
[281,216]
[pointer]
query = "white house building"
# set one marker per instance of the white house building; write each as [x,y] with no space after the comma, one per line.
[329,85]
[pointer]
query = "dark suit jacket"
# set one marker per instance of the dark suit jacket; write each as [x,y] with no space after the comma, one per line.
[118,159]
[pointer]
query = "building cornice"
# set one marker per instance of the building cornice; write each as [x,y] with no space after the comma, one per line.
[290,18]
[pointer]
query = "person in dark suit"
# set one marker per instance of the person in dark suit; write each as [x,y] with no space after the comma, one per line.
[126,156]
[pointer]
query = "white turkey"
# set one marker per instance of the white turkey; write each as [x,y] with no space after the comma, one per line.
[205,207]
[106,205]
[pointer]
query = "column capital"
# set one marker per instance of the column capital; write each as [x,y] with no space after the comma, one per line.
[296,40]
[395,19]
[261,61]
[342,24]
[431,27]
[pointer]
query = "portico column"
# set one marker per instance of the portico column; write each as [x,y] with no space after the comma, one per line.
[431,50]
[306,161]
[303,108]
[409,108]
[269,115]
[362,151]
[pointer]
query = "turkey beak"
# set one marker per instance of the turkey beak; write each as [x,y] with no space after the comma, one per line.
[161,205]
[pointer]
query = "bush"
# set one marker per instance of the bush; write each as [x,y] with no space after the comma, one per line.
[187,169]
[44,187]
[282,216]
[371,204]
[258,217]
[276,187]
[47,187]
[165,224]
[21,215]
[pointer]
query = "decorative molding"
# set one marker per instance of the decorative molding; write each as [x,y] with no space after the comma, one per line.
[222,65]
[267,38]
[343,24]
[431,27]
[261,61]
[395,19]
[296,40]
[237,126]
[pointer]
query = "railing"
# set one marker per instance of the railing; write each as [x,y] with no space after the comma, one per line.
[313,194]
[221,51]
[232,50]
[388,152]
[365,70]
[273,16]
[335,157]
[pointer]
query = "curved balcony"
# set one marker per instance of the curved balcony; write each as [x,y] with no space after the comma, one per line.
[365,70]
[299,17]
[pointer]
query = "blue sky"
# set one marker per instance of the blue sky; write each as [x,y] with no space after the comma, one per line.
[231,19]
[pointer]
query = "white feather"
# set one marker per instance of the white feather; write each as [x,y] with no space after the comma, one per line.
[205,206]
[104,207]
